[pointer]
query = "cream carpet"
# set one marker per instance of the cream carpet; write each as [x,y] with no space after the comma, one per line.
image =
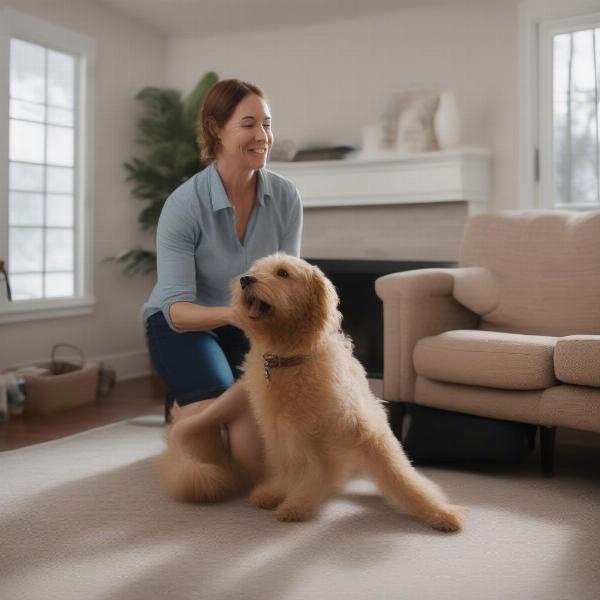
[84,518]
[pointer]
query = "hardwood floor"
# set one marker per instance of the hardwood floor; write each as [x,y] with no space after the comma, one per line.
[138,397]
[132,398]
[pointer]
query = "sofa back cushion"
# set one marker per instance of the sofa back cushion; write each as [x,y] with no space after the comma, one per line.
[545,267]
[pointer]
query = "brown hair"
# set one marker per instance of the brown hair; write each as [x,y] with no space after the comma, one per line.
[218,106]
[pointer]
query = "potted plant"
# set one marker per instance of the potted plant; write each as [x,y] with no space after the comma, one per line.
[168,132]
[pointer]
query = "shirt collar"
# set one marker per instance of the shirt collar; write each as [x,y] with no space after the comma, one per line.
[218,195]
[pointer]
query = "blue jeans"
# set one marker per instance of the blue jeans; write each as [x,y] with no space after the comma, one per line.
[195,365]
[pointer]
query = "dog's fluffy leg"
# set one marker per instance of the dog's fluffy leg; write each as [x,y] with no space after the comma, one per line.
[297,483]
[268,494]
[202,472]
[308,486]
[399,482]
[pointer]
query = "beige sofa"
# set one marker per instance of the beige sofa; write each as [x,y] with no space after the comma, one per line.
[512,333]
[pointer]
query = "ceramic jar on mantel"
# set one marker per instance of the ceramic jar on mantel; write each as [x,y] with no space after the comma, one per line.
[446,122]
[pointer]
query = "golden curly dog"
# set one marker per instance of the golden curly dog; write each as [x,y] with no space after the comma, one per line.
[318,418]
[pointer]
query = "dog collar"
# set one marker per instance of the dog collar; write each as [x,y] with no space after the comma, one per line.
[271,361]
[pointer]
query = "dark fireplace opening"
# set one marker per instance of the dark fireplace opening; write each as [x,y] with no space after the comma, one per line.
[360,306]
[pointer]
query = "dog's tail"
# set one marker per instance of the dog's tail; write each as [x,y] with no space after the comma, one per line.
[401,483]
[191,475]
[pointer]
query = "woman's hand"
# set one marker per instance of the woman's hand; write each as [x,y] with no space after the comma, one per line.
[234,317]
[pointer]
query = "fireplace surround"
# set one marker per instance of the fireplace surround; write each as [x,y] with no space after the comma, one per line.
[390,207]
[361,309]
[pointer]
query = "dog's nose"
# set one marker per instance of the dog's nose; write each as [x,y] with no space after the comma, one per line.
[246,280]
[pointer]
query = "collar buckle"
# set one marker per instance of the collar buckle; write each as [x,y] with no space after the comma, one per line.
[272,361]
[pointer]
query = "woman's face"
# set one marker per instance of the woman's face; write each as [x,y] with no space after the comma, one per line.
[247,137]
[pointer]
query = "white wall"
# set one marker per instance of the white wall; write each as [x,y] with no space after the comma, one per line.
[129,57]
[326,81]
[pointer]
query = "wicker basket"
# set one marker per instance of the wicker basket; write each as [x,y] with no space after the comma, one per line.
[67,385]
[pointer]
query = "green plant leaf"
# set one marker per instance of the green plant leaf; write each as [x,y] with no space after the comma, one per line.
[148,218]
[167,131]
[162,121]
[135,261]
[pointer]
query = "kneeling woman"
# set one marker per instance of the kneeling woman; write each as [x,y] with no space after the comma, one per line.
[211,229]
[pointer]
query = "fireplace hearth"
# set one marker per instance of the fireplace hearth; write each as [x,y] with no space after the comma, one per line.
[360,306]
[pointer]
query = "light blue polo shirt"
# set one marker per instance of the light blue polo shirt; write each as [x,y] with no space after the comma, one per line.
[198,251]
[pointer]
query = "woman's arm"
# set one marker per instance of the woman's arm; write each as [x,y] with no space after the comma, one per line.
[177,236]
[187,316]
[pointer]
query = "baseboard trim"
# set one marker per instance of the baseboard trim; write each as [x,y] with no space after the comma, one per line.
[136,363]
[127,365]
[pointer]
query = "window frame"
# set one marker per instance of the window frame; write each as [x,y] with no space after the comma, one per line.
[548,29]
[536,19]
[37,31]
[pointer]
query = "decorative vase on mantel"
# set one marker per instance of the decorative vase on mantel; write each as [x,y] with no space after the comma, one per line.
[446,122]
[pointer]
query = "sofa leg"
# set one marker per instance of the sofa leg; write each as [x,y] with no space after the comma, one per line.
[547,438]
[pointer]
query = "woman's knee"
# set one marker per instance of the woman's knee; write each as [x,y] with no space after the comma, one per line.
[192,365]
[245,441]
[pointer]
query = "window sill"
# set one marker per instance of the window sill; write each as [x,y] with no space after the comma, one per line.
[34,310]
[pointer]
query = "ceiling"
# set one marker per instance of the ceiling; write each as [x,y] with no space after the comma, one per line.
[198,18]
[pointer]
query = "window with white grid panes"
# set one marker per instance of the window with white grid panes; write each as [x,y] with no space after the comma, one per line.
[42,171]
[576,56]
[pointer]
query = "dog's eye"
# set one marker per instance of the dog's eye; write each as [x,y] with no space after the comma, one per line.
[282,273]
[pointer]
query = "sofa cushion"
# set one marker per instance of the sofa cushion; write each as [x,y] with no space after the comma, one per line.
[574,406]
[545,269]
[577,359]
[511,405]
[485,358]
[474,288]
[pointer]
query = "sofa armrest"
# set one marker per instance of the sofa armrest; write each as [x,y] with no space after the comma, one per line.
[416,304]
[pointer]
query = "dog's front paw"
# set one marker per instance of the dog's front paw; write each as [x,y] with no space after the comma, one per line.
[265,496]
[448,518]
[294,512]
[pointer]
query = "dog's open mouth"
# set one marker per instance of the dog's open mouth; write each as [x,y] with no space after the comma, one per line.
[257,308]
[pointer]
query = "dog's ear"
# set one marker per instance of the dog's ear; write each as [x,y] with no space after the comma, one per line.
[324,314]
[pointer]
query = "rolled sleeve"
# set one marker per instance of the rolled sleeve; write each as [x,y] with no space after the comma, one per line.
[176,239]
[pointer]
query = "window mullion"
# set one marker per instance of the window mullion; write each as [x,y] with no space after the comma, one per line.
[597,164]
[569,169]
[45,178]
[4,109]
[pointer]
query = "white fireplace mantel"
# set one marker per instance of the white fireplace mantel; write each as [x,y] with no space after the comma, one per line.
[462,174]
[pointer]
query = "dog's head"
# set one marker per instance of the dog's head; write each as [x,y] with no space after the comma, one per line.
[287,301]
